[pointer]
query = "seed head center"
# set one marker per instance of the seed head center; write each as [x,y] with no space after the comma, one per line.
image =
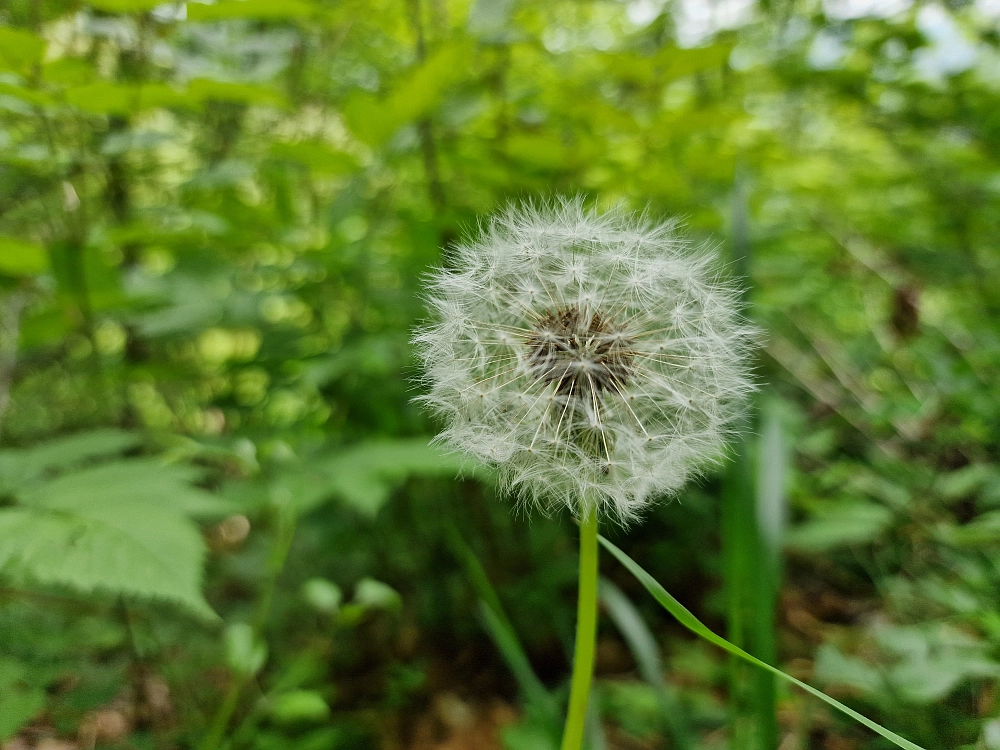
[584,353]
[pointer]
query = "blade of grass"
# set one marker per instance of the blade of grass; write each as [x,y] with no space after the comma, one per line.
[647,657]
[500,630]
[750,586]
[751,581]
[692,623]
[507,643]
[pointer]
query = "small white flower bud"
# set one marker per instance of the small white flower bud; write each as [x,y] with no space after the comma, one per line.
[595,360]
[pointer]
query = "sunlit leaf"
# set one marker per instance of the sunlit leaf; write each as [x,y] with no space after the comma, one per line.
[19,258]
[318,157]
[265,10]
[19,49]
[125,6]
[373,119]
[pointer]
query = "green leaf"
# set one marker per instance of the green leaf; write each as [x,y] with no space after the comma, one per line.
[264,10]
[106,547]
[31,96]
[366,475]
[120,527]
[502,633]
[124,6]
[204,89]
[146,482]
[373,120]
[110,98]
[20,466]
[298,707]
[832,665]
[322,595]
[372,594]
[692,623]
[317,156]
[19,258]
[246,652]
[855,522]
[19,49]
[983,529]
[20,701]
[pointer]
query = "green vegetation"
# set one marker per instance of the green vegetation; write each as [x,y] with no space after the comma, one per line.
[221,525]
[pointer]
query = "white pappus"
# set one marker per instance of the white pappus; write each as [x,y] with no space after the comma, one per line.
[596,360]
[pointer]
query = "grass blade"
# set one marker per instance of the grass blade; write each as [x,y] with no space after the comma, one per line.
[647,657]
[692,623]
[502,633]
[513,654]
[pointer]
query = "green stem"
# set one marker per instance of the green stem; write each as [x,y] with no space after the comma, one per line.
[586,636]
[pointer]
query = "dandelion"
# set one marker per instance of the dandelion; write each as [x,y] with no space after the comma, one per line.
[595,360]
[598,361]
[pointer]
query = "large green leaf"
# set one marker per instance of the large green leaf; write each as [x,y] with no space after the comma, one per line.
[120,527]
[116,548]
[146,482]
[19,466]
[692,623]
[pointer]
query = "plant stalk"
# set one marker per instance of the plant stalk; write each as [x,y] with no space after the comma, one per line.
[586,636]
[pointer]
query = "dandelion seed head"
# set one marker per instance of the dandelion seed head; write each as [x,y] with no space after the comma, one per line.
[598,361]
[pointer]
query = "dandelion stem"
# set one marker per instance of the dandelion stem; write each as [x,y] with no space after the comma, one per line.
[586,634]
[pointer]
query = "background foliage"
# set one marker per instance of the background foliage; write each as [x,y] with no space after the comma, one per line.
[220,524]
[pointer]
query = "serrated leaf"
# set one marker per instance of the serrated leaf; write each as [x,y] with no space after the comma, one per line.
[19,466]
[120,527]
[19,258]
[146,482]
[106,547]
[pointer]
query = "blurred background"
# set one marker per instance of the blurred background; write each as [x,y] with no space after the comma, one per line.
[220,522]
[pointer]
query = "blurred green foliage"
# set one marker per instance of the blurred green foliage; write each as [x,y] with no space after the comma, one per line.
[214,218]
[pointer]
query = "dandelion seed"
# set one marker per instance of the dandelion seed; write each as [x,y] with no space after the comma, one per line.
[596,360]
